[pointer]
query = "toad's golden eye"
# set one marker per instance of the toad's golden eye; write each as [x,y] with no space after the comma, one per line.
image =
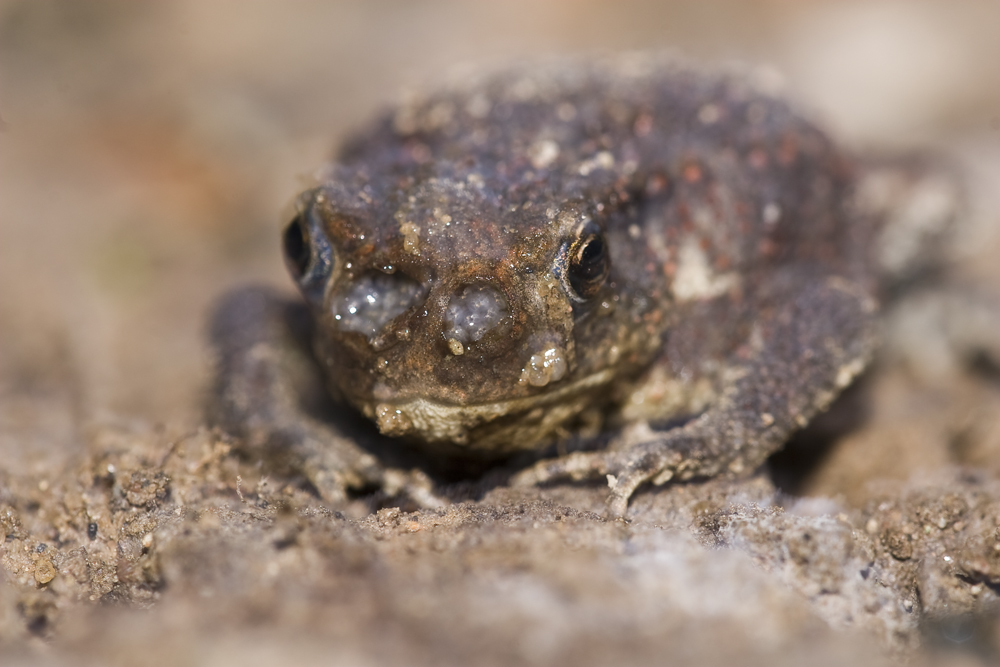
[589,265]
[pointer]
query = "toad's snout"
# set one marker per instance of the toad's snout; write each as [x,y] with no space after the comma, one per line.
[472,315]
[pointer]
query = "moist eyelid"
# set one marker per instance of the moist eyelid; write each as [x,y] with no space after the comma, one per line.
[473,312]
[374,300]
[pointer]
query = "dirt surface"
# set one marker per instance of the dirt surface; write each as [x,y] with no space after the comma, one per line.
[147,153]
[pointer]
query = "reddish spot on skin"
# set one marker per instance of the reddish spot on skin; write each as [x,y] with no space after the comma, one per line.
[653,317]
[656,184]
[643,124]
[767,247]
[789,150]
[692,173]
[757,158]
[419,152]
[684,214]
[669,269]
[723,262]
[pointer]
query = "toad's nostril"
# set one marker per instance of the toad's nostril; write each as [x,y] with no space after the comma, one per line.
[472,312]
[374,300]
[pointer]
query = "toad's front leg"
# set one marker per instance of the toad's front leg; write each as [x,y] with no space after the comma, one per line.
[266,380]
[811,336]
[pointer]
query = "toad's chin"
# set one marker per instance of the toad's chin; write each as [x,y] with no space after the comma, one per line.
[489,430]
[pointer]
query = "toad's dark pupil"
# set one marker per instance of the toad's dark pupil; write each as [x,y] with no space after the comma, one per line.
[589,267]
[297,247]
[592,255]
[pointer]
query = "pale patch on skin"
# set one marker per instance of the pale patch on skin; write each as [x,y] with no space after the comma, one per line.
[694,278]
[545,366]
[411,237]
[441,422]
[602,160]
[847,372]
[543,153]
[654,239]
[664,394]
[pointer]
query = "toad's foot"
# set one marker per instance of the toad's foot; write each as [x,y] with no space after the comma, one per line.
[266,378]
[671,456]
[336,467]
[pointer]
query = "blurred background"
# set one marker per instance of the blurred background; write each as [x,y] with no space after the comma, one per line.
[149,150]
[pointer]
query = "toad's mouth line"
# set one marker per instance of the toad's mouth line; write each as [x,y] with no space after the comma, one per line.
[432,420]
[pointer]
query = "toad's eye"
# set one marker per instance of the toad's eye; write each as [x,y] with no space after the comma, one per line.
[308,255]
[588,266]
[298,249]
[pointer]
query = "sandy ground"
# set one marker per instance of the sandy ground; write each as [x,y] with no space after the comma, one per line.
[147,154]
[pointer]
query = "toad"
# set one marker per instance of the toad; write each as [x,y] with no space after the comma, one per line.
[665,259]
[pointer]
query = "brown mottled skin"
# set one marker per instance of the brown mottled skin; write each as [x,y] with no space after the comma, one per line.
[728,298]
